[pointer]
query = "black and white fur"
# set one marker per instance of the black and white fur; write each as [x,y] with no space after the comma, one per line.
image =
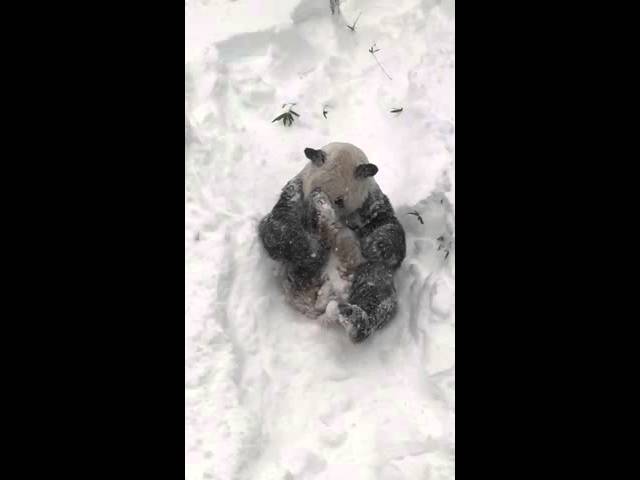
[334,209]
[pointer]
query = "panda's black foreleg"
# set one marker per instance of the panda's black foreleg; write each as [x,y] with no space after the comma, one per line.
[285,239]
[386,244]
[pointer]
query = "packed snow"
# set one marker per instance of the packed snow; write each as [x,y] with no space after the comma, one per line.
[269,393]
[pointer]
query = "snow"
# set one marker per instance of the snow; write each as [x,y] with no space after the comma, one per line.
[270,394]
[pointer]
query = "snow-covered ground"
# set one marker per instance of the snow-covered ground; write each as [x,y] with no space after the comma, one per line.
[270,394]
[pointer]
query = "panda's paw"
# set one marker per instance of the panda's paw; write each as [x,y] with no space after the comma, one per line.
[330,315]
[325,215]
[321,201]
[355,321]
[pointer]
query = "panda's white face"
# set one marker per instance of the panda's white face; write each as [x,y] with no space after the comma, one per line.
[342,172]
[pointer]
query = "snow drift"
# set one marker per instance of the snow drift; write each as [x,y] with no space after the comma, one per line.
[270,394]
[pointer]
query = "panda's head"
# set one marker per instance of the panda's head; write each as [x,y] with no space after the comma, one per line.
[342,172]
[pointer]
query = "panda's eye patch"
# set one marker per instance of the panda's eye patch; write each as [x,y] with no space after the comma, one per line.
[339,202]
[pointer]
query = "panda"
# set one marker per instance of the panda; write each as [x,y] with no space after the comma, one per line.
[338,240]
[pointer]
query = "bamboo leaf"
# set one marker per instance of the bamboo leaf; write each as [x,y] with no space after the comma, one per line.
[417,215]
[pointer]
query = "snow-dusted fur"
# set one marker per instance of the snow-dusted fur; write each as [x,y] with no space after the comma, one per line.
[339,240]
[270,394]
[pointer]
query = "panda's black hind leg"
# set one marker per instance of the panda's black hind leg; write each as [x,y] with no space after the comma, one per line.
[372,303]
[360,325]
[385,312]
[355,321]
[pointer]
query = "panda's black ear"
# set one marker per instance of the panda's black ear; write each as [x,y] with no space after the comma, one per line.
[365,170]
[317,157]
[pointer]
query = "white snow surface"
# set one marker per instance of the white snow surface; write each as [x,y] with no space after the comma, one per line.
[270,394]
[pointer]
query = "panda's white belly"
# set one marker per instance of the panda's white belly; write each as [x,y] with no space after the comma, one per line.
[321,300]
[336,285]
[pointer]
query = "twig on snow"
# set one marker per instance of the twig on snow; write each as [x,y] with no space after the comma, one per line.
[353,27]
[373,51]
